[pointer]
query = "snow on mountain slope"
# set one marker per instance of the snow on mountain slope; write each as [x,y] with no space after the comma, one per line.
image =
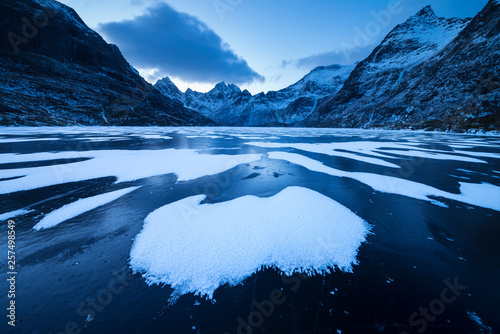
[417,39]
[429,73]
[296,102]
[168,88]
[228,105]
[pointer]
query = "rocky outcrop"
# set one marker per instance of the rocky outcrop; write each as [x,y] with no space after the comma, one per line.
[57,71]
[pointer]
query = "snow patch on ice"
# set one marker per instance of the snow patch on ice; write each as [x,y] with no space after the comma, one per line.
[22,140]
[81,206]
[479,322]
[332,150]
[152,136]
[12,214]
[484,195]
[480,154]
[125,165]
[197,248]
[434,155]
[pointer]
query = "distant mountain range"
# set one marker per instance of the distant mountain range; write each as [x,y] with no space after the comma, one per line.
[228,105]
[428,73]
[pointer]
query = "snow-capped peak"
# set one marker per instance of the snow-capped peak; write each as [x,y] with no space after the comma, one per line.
[427,11]
[416,40]
[168,88]
[224,89]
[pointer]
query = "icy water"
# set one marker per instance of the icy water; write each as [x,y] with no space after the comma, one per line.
[250,230]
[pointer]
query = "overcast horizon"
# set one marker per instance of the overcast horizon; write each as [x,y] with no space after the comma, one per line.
[256,45]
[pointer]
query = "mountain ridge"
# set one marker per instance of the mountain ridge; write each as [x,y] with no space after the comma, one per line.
[227,104]
[441,92]
[57,71]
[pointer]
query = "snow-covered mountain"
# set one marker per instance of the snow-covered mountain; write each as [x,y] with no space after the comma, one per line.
[429,72]
[228,105]
[66,74]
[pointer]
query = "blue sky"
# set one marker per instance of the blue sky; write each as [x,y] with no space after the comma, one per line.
[259,45]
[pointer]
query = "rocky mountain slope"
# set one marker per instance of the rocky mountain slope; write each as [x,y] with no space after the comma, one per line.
[57,71]
[428,73]
[228,105]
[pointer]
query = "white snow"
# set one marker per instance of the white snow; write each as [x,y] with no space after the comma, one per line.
[434,155]
[479,322]
[21,140]
[125,165]
[80,206]
[352,150]
[484,195]
[154,136]
[480,154]
[205,136]
[100,139]
[199,247]
[12,214]
[330,149]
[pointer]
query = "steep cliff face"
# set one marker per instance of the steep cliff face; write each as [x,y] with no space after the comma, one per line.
[428,73]
[57,71]
[228,105]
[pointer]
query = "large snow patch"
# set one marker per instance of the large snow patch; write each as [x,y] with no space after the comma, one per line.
[199,247]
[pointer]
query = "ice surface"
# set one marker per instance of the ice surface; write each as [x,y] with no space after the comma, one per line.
[434,155]
[12,214]
[484,195]
[125,165]
[199,247]
[378,149]
[81,206]
[329,149]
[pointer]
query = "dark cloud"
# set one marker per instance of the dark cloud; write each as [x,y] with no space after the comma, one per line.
[345,56]
[178,45]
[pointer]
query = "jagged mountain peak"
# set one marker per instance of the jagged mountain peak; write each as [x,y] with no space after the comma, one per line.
[428,73]
[168,88]
[427,11]
[415,40]
[228,105]
[166,80]
[221,85]
[223,88]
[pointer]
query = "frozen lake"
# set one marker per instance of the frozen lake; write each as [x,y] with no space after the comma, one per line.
[251,230]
